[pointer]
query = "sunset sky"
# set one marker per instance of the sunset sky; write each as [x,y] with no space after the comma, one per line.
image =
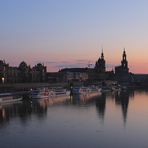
[71,33]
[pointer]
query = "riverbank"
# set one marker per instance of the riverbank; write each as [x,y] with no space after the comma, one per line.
[28,86]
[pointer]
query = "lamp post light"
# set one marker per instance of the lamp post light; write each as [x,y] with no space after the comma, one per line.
[3,80]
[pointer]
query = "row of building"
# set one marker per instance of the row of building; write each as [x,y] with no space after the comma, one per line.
[120,73]
[98,73]
[24,73]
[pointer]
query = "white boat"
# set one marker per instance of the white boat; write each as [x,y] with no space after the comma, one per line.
[58,92]
[80,90]
[39,93]
[42,93]
[89,91]
[94,89]
[9,99]
[5,94]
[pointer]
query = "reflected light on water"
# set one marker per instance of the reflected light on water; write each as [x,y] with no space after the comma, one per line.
[108,120]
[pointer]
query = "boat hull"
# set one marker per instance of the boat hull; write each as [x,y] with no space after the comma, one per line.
[9,99]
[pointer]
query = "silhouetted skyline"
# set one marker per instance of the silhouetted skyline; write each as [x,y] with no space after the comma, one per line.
[63,33]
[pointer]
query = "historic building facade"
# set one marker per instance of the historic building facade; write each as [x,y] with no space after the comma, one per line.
[100,64]
[3,71]
[122,72]
[22,74]
[38,73]
[123,68]
[74,74]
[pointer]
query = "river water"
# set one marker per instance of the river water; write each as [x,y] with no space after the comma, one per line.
[113,120]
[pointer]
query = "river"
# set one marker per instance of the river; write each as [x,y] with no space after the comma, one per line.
[115,120]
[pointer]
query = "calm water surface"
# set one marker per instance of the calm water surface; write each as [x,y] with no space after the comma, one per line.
[111,120]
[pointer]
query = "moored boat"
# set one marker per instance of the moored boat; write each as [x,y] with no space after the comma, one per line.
[39,93]
[58,92]
[9,99]
[80,90]
[90,91]
[42,93]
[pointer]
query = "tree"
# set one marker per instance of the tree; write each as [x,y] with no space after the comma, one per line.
[23,72]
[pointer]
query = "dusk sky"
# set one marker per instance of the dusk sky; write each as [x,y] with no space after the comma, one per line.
[71,33]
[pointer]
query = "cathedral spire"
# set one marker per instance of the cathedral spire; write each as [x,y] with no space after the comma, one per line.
[100,64]
[124,55]
[124,61]
[102,54]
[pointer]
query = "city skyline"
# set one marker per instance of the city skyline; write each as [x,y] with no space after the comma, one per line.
[65,33]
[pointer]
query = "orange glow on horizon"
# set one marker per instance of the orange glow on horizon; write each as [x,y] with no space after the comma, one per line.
[55,60]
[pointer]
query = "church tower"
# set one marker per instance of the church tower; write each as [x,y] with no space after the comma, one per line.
[100,64]
[122,72]
[124,62]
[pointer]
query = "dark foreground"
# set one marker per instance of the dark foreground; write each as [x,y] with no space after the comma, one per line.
[111,120]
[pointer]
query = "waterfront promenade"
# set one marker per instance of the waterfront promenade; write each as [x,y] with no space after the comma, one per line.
[28,86]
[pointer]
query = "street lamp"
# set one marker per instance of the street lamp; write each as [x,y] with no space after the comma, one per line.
[3,80]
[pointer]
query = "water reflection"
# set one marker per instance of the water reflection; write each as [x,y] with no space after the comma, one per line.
[39,108]
[74,122]
[123,99]
[100,105]
[22,110]
[7,112]
[81,99]
[25,109]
